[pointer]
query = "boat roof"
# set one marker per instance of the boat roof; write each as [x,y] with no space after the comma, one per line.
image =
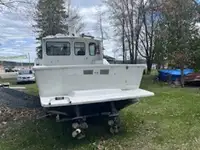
[63,36]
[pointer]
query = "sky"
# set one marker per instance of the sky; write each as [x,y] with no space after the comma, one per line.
[16,32]
[17,36]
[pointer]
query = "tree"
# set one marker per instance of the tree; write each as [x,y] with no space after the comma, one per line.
[147,35]
[160,48]
[99,26]
[51,19]
[179,17]
[14,3]
[117,21]
[5,3]
[126,18]
[138,23]
[74,20]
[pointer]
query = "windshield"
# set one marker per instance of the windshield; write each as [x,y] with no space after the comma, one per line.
[24,72]
[58,48]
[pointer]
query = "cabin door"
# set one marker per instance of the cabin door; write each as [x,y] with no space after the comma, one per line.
[80,52]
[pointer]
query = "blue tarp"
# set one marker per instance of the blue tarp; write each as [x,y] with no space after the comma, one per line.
[175,74]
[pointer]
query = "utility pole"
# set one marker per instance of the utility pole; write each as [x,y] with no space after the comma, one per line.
[29,60]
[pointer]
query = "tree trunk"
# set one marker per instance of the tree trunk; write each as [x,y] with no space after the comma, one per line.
[101,30]
[131,57]
[158,66]
[132,44]
[136,49]
[149,66]
[123,40]
[182,77]
[123,45]
[130,52]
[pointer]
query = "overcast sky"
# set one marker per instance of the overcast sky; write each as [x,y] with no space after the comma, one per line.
[85,3]
[17,36]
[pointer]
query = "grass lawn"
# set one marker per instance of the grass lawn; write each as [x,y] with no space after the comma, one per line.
[30,88]
[170,120]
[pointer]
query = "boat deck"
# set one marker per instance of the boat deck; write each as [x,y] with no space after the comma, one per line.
[93,96]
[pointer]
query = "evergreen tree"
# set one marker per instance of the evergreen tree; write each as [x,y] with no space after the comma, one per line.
[51,19]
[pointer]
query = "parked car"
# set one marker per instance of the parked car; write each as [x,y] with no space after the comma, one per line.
[9,70]
[25,75]
[192,78]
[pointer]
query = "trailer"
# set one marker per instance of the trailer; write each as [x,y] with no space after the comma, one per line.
[76,83]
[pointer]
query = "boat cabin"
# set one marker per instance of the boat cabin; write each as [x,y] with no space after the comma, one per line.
[70,50]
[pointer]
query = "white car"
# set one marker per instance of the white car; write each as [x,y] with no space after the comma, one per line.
[25,75]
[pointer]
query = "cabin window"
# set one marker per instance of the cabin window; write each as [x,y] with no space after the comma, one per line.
[79,48]
[58,48]
[92,49]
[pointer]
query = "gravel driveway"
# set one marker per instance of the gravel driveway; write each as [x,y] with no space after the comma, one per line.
[17,99]
[16,105]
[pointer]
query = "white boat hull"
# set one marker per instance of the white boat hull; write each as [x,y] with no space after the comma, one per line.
[88,84]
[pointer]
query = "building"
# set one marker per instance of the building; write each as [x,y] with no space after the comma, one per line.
[14,65]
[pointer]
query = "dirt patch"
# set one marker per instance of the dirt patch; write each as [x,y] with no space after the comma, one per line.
[8,114]
[16,105]
[11,116]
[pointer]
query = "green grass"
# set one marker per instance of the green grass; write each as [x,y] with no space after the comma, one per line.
[170,120]
[30,88]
